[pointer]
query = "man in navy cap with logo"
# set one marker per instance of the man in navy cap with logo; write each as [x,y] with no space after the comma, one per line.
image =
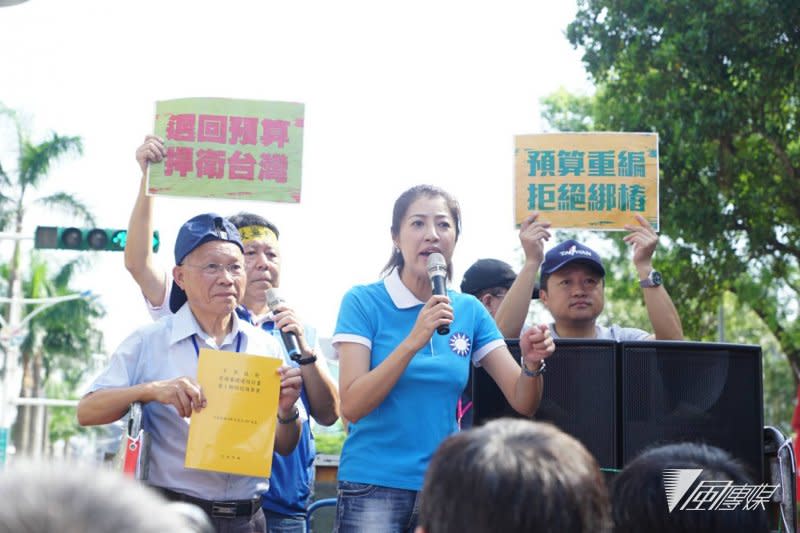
[571,287]
[572,284]
[157,366]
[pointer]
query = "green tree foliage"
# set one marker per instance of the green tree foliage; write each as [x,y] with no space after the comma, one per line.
[19,181]
[65,334]
[31,169]
[720,83]
[62,424]
[565,111]
[329,443]
[61,339]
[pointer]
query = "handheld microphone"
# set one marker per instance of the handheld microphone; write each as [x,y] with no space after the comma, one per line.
[437,271]
[289,339]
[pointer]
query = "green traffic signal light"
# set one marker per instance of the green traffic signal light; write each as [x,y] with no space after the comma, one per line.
[92,239]
[119,239]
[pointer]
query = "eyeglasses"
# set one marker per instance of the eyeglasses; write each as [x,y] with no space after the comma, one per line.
[214,269]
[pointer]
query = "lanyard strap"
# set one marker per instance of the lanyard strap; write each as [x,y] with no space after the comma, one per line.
[197,348]
[461,411]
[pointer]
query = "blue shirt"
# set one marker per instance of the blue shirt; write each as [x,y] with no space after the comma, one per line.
[392,445]
[292,475]
[164,350]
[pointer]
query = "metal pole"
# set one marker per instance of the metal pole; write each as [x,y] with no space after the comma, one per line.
[13,375]
[48,402]
[15,236]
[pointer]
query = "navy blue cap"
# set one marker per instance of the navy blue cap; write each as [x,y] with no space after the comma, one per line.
[195,232]
[487,274]
[571,251]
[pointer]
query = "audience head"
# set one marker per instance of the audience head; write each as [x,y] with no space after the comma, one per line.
[513,475]
[425,218]
[489,280]
[262,253]
[207,251]
[639,501]
[72,498]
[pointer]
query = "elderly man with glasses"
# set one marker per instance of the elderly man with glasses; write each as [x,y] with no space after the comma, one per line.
[157,365]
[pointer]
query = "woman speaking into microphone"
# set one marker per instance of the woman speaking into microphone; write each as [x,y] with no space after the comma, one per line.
[399,380]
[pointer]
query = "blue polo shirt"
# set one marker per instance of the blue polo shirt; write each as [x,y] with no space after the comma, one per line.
[392,445]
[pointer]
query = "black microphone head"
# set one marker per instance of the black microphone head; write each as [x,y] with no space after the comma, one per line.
[273,299]
[437,266]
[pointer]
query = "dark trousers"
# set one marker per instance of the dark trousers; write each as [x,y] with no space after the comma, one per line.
[255,524]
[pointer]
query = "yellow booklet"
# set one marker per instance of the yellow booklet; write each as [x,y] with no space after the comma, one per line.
[235,432]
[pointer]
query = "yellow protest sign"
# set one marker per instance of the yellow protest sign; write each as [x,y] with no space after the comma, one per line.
[587,180]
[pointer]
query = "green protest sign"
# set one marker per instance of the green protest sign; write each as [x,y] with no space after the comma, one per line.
[225,148]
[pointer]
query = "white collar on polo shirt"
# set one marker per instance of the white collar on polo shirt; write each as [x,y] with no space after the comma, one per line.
[401,296]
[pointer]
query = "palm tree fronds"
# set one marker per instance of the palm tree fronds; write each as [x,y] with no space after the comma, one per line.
[38,280]
[7,111]
[4,179]
[13,116]
[35,159]
[69,204]
[64,275]
[6,214]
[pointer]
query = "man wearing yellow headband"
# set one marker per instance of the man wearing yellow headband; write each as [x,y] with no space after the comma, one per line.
[293,475]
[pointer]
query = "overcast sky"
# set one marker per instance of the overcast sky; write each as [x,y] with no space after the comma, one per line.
[396,95]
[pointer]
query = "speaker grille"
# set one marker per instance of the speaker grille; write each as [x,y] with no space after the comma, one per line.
[580,395]
[580,392]
[674,391]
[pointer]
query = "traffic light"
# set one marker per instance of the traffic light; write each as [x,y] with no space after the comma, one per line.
[97,239]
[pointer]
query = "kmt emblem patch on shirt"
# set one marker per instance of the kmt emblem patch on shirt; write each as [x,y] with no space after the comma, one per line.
[460,344]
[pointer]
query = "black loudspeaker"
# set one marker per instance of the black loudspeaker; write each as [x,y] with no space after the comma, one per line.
[488,401]
[580,395]
[687,391]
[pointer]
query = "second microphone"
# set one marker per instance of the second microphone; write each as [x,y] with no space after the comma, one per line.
[289,339]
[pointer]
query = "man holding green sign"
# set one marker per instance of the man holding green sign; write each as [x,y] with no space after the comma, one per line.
[292,476]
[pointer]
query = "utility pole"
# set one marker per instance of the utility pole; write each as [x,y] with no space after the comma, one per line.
[10,341]
[12,373]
